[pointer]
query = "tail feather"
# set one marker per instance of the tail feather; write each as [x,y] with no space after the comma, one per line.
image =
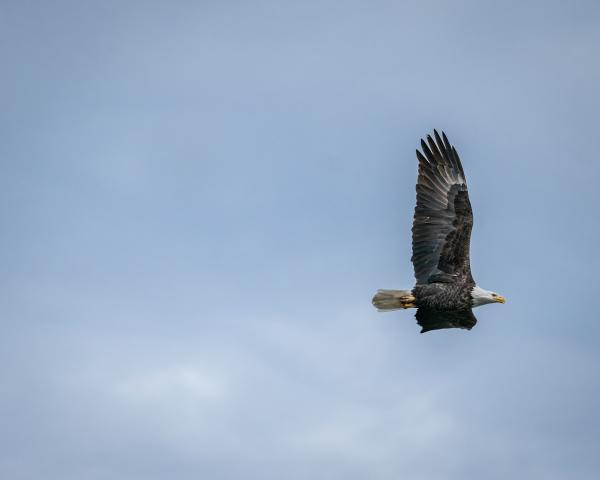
[386,300]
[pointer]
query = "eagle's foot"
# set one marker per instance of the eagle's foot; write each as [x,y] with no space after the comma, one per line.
[408,301]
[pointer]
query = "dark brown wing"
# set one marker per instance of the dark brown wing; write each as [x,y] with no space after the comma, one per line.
[443,217]
[436,320]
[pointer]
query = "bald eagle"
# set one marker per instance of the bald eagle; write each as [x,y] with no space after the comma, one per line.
[445,293]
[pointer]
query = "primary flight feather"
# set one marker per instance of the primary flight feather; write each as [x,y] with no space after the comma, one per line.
[445,293]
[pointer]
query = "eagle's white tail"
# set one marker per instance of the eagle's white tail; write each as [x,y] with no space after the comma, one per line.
[385,300]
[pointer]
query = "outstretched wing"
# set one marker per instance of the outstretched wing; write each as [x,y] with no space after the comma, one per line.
[436,320]
[443,217]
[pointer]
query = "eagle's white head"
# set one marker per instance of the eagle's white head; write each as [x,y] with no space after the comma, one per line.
[481,297]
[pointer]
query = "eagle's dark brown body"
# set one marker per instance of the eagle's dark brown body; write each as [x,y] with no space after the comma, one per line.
[444,305]
[443,296]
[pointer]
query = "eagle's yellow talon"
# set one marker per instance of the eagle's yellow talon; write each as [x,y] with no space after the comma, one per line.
[408,301]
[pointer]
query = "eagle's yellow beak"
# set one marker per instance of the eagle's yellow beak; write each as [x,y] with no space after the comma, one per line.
[500,299]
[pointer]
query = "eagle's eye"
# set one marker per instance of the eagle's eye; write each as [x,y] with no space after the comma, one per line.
[494,295]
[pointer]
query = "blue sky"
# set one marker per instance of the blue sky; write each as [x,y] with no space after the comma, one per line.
[200,198]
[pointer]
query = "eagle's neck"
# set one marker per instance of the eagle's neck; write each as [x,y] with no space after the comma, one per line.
[479,296]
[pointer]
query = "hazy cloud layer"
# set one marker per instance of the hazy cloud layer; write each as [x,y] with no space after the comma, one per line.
[199,199]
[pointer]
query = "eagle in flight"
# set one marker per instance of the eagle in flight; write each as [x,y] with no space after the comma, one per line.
[445,293]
